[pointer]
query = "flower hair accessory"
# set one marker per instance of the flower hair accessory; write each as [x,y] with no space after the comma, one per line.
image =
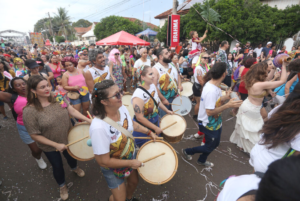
[139,71]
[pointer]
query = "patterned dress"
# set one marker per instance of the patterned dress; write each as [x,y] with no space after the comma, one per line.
[117,73]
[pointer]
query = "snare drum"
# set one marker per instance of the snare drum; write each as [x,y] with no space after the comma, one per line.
[187,89]
[126,100]
[183,105]
[174,133]
[80,150]
[161,169]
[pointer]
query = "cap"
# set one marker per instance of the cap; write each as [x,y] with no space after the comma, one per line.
[269,43]
[84,48]
[32,64]
[6,55]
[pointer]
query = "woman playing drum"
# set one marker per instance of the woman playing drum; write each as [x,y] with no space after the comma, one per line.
[48,123]
[114,151]
[145,108]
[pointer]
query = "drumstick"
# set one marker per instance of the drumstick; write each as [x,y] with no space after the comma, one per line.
[149,159]
[176,110]
[174,104]
[148,138]
[90,115]
[126,105]
[169,125]
[76,141]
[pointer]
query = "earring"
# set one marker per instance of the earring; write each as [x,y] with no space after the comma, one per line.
[143,82]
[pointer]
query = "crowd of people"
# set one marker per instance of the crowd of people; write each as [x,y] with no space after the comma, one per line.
[90,78]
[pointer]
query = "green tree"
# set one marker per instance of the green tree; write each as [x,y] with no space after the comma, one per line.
[113,24]
[59,39]
[62,22]
[81,23]
[39,25]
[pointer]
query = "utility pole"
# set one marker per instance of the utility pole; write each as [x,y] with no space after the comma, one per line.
[45,31]
[175,4]
[51,28]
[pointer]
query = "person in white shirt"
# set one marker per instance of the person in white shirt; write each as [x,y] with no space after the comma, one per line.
[166,79]
[114,149]
[146,103]
[209,116]
[281,133]
[258,50]
[143,60]
[99,71]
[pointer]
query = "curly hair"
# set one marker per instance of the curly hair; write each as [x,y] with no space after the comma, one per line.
[294,65]
[111,56]
[100,92]
[257,73]
[69,59]
[93,55]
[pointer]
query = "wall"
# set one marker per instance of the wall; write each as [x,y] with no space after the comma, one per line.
[162,22]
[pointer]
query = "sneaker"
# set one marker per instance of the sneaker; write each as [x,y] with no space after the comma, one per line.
[202,143]
[197,136]
[5,118]
[64,195]
[186,156]
[79,172]
[206,164]
[41,163]
[132,199]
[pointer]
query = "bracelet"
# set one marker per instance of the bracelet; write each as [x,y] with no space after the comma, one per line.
[148,132]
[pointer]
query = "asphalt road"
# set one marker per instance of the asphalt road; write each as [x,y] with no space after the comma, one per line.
[24,181]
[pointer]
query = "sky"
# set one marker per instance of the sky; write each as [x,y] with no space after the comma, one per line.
[21,15]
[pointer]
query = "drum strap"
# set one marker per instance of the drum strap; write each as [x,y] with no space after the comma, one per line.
[166,71]
[118,127]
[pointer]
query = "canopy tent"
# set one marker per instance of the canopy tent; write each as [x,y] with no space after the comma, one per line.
[122,38]
[148,32]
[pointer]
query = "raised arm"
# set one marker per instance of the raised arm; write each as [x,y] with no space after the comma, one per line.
[89,81]
[5,97]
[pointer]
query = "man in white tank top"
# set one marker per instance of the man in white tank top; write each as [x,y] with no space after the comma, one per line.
[98,72]
[166,79]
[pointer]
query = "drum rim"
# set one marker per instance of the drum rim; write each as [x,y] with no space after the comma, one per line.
[186,98]
[176,164]
[177,115]
[69,151]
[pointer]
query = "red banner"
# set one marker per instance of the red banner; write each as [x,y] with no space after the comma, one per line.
[175,30]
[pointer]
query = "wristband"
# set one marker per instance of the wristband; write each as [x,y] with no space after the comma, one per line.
[148,132]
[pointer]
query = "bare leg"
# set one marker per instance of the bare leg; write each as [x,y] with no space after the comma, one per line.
[132,182]
[196,109]
[36,152]
[2,110]
[118,194]
[77,107]
[85,107]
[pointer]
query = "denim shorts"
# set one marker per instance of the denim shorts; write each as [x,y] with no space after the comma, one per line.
[111,180]
[81,99]
[25,137]
[1,103]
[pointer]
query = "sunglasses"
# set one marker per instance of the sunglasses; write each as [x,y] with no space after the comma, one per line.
[117,95]
[205,57]
[117,54]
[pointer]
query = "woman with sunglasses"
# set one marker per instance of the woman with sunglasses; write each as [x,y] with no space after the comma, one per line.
[73,81]
[117,72]
[17,98]
[48,123]
[201,69]
[145,108]
[83,62]
[108,142]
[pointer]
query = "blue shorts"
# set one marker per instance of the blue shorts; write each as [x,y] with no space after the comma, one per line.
[25,137]
[111,180]
[1,103]
[81,99]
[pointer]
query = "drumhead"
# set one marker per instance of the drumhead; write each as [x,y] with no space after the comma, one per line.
[80,150]
[176,129]
[126,100]
[185,105]
[187,89]
[161,169]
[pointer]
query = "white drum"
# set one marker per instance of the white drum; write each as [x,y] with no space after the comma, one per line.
[182,105]
[187,89]
[174,133]
[126,101]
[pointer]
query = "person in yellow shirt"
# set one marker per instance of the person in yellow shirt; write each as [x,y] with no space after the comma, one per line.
[4,84]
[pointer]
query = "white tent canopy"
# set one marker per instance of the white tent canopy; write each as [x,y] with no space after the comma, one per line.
[90,33]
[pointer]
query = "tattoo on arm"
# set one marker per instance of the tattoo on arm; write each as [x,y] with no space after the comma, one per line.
[137,109]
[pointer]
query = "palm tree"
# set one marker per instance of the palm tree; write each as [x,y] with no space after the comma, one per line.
[62,22]
[209,14]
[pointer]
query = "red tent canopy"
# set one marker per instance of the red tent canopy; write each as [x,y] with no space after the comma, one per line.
[122,38]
